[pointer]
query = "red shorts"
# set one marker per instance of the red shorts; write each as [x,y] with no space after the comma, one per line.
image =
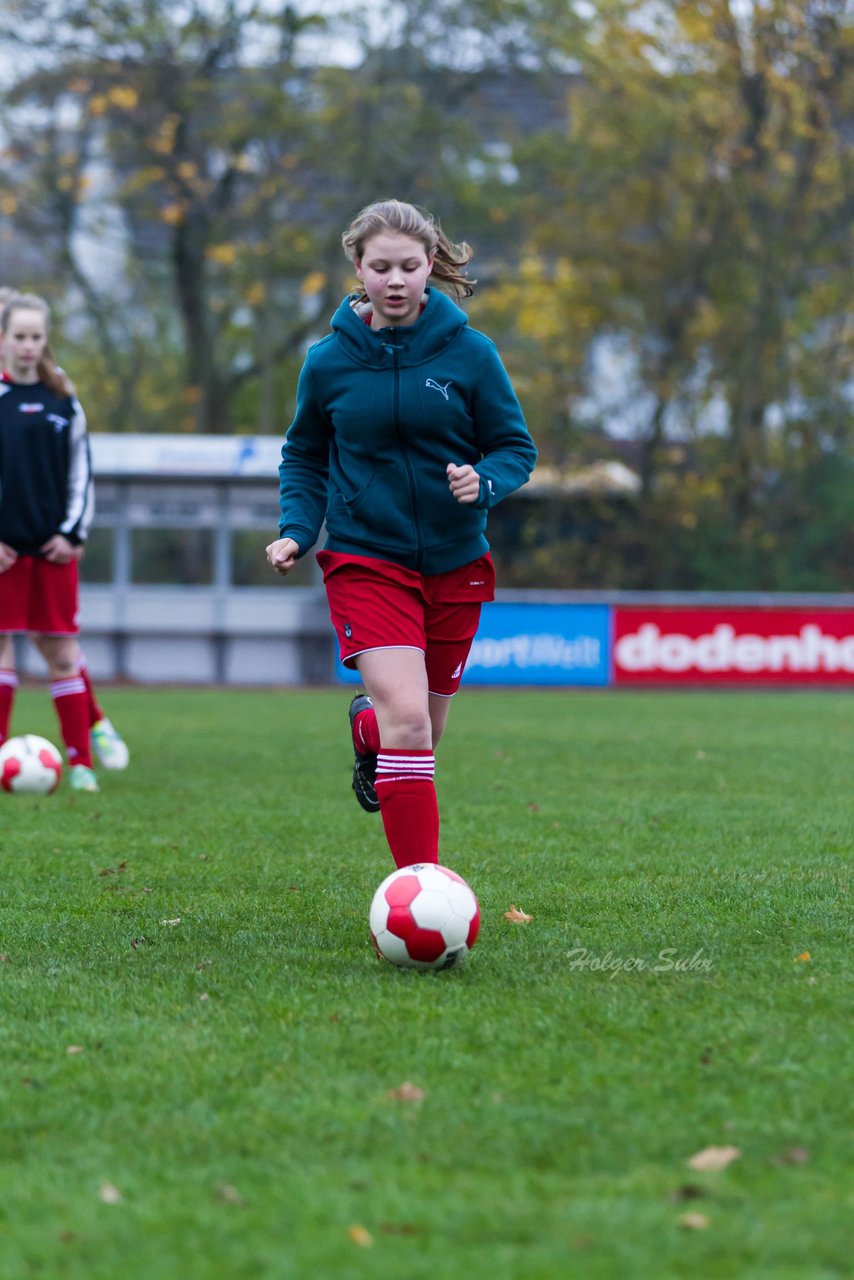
[40,597]
[376,604]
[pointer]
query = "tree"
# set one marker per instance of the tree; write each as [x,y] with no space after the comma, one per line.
[699,210]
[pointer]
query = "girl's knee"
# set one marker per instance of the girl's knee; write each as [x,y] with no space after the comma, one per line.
[408,723]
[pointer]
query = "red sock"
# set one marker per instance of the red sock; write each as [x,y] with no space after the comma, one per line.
[72,707]
[8,685]
[408,805]
[366,732]
[95,712]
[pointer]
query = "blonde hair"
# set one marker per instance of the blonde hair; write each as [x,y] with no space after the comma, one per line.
[49,372]
[404,219]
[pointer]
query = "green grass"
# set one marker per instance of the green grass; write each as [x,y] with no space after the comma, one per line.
[236,1067]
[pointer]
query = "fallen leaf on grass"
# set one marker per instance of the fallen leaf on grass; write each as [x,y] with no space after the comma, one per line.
[229,1194]
[803,958]
[109,1194]
[204,996]
[400,1229]
[360,1236]
[714,1158]
[114,871]
[689,1191]
[794,1155]
[693,1221]
[515,916]
[177,920]
[533,808]
[406,1092]
[4,959]
[74,1048]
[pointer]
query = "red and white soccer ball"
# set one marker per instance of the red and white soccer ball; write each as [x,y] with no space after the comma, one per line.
[30,764]
[424,917]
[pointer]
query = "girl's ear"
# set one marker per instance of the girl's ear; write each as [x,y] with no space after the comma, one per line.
[358,265]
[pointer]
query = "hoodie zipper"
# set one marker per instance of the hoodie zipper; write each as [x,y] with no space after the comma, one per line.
[410,475]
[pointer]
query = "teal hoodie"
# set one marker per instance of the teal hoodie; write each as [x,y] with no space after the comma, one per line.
[379,415]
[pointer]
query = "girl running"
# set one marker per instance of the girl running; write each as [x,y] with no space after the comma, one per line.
[407,431]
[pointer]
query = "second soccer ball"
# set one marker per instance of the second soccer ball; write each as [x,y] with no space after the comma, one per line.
[30,764]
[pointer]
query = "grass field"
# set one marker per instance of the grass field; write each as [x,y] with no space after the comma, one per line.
[201,1057]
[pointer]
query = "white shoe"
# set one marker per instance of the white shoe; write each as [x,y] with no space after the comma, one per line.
[110,747]
[81,778]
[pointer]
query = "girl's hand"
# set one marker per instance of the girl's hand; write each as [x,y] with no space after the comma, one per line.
[58,550]
[464,482]
[282,555]
[8,556]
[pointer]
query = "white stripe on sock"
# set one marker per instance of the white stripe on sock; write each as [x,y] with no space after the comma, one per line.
[408,768]
[65,688]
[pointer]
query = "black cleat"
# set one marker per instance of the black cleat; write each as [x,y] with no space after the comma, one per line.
[364,766]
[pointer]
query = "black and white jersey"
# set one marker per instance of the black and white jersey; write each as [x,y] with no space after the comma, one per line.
[45,467]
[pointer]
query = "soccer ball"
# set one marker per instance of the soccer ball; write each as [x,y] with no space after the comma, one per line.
[424,917]
[30,763]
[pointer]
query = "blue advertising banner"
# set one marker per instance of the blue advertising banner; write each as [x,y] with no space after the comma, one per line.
[536,644]
[557,644]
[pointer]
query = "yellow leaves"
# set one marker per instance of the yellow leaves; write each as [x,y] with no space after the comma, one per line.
[803,958]
[515,916]
[173,214]
[697,27]
[163,142]
[8,205]
[312,283]
[98,104]
[187,170]
[542,299]
[255,294]
[124,97]
[225,254]
[361,1236]
[711,1159]
[145,177]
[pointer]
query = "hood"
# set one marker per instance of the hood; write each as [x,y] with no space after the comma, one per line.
[439,323]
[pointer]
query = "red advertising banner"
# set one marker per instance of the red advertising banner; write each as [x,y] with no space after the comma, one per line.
[719,645]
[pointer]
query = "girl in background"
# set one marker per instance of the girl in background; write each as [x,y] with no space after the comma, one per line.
[407,431]
[46,507]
